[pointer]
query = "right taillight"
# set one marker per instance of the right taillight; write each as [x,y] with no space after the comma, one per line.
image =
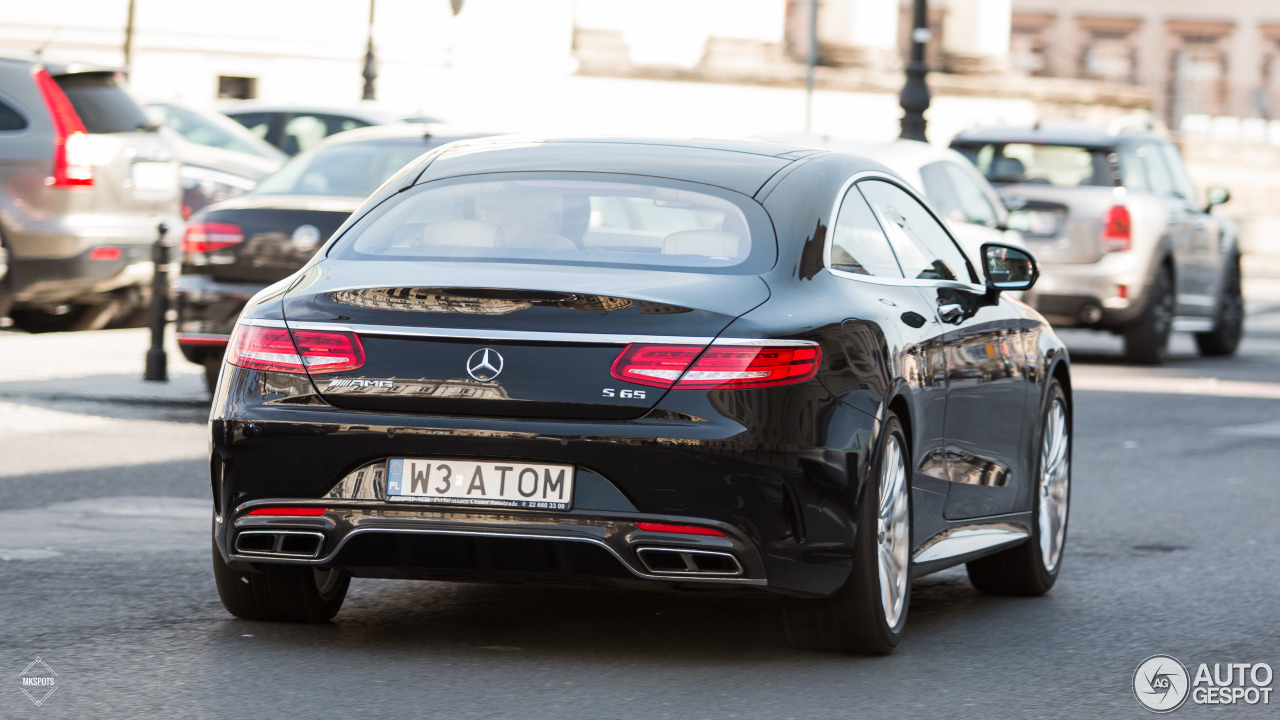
[71,165]
[205,237]
[300,351]
[718,366]
[1117,231]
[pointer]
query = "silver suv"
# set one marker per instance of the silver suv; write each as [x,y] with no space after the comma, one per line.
[1122,242]
[84,181]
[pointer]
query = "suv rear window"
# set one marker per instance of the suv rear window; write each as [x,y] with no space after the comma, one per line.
[564,222]
[101,102]
[1037,164]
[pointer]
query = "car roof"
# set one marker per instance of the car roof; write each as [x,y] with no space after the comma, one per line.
[406,131]
[373,114]
[742,166]
[1054,134]
[894,153]
[61,67]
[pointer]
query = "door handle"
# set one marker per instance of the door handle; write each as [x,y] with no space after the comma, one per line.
[951,314]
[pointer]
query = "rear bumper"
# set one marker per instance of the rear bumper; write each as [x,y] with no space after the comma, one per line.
[80,278]
[786,508]
[1107,294]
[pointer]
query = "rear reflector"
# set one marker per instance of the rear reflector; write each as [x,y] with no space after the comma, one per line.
[1116,229]
[679,529]
[104,253]
[300,352]
[205,237]
[290,511]
[717,366]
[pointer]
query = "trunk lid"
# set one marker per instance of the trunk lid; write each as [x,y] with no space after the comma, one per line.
[281,233]
[1060,225]
[505,339]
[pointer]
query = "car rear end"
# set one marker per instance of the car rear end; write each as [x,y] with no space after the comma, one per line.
[439,399]
[1092,237]
[86,182]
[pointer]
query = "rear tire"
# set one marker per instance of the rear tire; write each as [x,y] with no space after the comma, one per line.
[281,593]
[1032,567]
[868,614]
[1228,322]
[1146,340]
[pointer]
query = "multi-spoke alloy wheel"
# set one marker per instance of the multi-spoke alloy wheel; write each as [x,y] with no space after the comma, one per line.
[892,528]
[1055,485]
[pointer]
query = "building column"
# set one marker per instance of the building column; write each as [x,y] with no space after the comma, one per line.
[858,33]
[975,36]
[1244,67]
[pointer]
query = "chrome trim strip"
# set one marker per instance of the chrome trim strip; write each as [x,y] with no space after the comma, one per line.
[275,552]
[872,279]
[689,572]
[262,322]
[530,335]
[965,539]
[526,536]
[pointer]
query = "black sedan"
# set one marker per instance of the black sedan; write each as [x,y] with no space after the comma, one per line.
[648,363]
[233,249]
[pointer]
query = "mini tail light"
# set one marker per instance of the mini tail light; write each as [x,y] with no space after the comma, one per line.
[300,351]
[718,366]
[71,167]
[205,237]
[1117,230]
[104,253]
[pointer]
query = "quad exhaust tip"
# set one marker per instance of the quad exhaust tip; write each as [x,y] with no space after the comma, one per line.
[280,543]
[683,561]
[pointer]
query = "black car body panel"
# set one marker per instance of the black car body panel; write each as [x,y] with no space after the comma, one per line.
[779,471]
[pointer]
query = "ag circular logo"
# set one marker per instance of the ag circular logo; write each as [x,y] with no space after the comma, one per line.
[1161,683]
[305,238]
[484,364]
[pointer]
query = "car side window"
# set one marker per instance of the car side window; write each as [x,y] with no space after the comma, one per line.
[1182,186]
[1133,172]
[10,119]
[923,248]
[1157,170]
[941,191]
[335,124]
[974,203]
[858,245]
[258,123]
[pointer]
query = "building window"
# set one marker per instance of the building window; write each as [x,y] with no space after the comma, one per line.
[1200,69]
[231,87]
[1109,57]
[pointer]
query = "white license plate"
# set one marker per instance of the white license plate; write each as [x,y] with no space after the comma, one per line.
[152,176]
[451,481]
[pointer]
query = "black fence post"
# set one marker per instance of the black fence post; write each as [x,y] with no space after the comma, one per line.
[157,360]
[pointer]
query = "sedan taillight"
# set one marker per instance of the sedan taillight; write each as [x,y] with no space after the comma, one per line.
[205,237]
[718,366]
[298,351]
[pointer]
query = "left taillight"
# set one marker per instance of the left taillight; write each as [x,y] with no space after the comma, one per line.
[718,366]
[1117,229]
[299,351]
[206,237]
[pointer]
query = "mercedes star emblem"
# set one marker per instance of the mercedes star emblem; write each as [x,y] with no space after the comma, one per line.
[484,364]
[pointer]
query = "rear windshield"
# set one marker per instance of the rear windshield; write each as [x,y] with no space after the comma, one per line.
[217,131]
[575,222]
[102,103]
[349,170]
[1060,165]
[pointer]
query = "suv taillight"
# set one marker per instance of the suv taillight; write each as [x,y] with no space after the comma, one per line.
[299,351]
[205,237]
[718,366]
[1116,229]
[71,167]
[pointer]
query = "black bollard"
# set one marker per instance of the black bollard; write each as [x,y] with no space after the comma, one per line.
[157,360]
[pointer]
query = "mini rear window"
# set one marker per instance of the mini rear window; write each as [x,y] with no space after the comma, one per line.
[1038,164]
[102,103]
[553,221]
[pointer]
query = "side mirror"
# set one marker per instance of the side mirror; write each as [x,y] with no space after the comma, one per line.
[1008,268]
[1217,195]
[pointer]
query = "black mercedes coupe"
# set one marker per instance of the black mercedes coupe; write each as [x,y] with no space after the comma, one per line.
[647,363]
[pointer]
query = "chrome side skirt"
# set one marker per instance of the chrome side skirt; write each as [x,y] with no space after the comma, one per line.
[965,540]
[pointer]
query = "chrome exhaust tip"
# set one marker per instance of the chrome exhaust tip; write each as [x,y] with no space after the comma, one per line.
[280,543]
[684,561]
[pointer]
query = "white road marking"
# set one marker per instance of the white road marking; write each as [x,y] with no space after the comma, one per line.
[1212,387]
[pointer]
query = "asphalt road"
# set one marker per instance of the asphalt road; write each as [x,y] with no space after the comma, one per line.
[1174,547]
